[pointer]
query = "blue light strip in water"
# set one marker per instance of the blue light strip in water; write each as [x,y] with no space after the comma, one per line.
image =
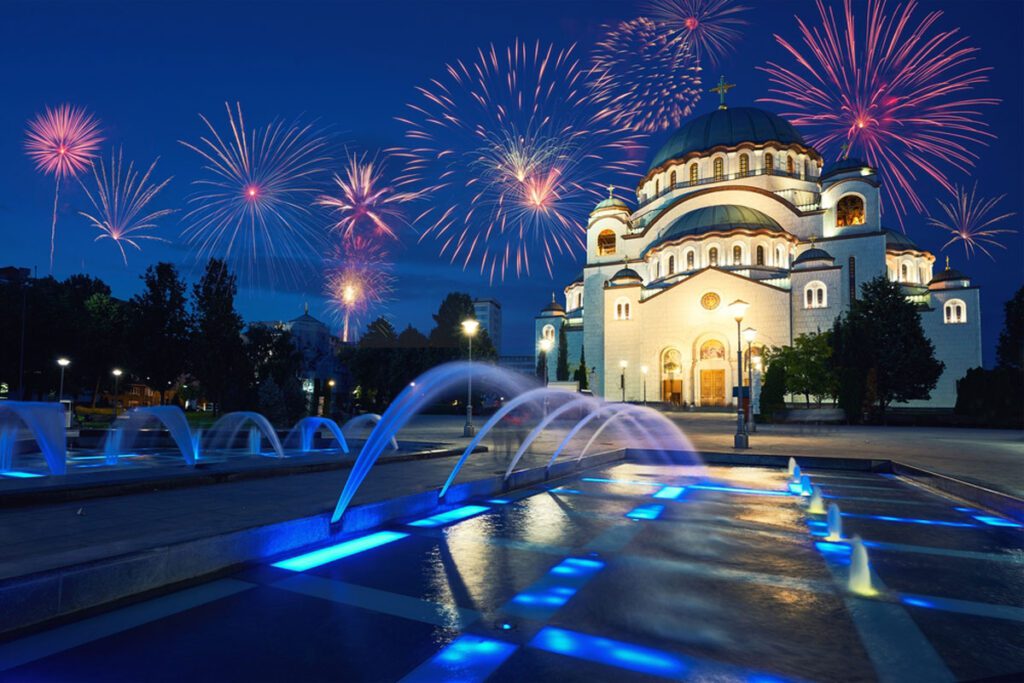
[737,489]
[830,548]
[455,515]
[561,489]
[554,589]
[910,520]
[670,492]
[646,512]
[466,659]
[20,475]
[609,652]
[301,563]
[499,501]
[622,481]
[996,521]
[978,609]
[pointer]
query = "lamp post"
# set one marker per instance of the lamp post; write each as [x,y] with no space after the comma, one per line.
[643,371]
[623,364]
[469,328]
[738,308]
[117,388]
[749,335]
[63,363]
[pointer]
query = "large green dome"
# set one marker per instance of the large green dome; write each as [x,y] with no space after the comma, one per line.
[720,218]
[727,127]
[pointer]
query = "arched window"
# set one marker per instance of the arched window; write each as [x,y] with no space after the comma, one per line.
[780,257]
[744,165]
[719,166]
[850,211]
[955,312]
[672,179]
[760,255]
[606,243]
[789,165]
[657,187]
[922,274]
[737,255]
[904,275]
[713,256]
[689,260]
[657,269]
[548,332]
[671,265]
[769,164]
[852,274]
[579,299]
[807,169]
[622,309]
[694,174]
[815,295]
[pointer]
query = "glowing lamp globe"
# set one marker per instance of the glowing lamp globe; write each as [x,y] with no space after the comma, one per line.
[470,326]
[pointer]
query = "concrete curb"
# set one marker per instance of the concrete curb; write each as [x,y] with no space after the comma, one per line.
[979,495]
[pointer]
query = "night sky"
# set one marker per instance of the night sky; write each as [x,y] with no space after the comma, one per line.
[146,69]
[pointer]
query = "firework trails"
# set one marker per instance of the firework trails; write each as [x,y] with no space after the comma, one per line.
[710,27]
[647,78]
[120,202]
[891,87]
[62,142]
[358,277]
[364,202]
[512,148]
[971,221]
[253,203]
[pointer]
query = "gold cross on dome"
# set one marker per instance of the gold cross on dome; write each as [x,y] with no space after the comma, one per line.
[611,192]
[947,263]
[722,88]
[845,148]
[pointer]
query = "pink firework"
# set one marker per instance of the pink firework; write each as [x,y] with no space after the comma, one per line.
[710,27]
[892,88]
[364,202]
[121,201]
[972,221]
[648,78]
[358,278]
[62,142]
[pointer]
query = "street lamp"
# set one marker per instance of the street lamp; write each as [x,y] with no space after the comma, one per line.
[738,308]
[749,335]
[643,371]
[63,363]
[117,392]
[623,364]
[469,328]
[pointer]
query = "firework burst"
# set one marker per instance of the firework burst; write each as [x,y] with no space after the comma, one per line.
[62,142]
[971,221]
[358,277]
[512,148]
[253,205]
[120,203]
[646,77]
[710,27]
[892,88]
[364,202]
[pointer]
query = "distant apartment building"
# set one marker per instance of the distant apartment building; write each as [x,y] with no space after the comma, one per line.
[488,313]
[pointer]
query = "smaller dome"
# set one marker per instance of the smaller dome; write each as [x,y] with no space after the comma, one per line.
[553,308]
[897,241]
[948,275]
[845,166]
[626,275]
[813,254]
[611,203]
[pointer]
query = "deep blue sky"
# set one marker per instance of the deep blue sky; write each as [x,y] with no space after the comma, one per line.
[146,69]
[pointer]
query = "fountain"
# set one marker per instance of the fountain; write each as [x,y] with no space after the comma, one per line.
[860,582]
[795,474]
[45,421]
[805,485]
[419,393]
[224,431]
[816,505]
[367,419]
[171,417]
[307,428]
[835,523]
[791,468]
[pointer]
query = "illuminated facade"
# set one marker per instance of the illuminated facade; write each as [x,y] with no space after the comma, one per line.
[737,206]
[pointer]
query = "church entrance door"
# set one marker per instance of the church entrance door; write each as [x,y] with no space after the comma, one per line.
[712,387]
[672,391]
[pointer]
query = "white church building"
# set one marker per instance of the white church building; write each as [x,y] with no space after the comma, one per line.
[736,206]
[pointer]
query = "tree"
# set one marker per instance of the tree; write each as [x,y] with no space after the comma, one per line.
[1010,350]
[881,337]
[271,353]
[219,358]
[447,335]
[994,397]
[160,329]
[580,374]
[562,362]
[773,393]
[102,339]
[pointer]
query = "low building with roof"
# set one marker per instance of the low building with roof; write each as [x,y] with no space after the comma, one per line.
[737,206]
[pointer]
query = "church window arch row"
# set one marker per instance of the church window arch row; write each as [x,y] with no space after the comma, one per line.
[815,295]
[759,255]
[744,164]
[657,187]
[718,168]
[769,163]
[790,169]
[954,312]
[672,179]
[780,256]
[622,309]
[694,173]
[712,256]
[690,257]
[850,211]
[670,268]
[737,254]
[606,243]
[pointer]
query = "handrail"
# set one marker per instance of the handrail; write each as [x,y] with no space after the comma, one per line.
[723,178]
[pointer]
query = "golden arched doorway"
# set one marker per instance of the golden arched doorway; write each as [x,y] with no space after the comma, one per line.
[671,377]
[712,373]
